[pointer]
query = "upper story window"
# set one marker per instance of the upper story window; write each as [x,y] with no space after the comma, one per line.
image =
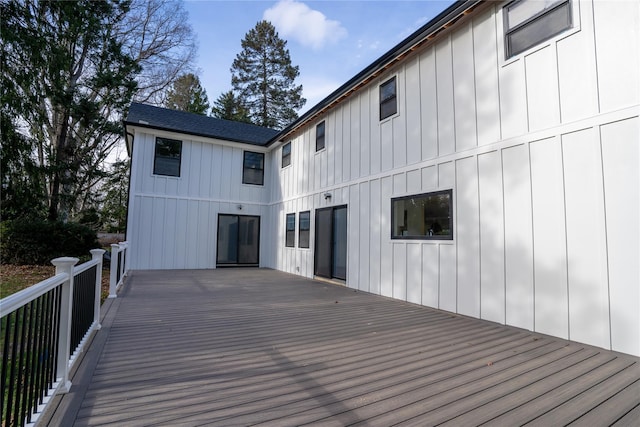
[253,168]
[290,235]
[304,225]
[529,22]
[320,136]
[423,216]
[286,154]
[388,101]
[167,157]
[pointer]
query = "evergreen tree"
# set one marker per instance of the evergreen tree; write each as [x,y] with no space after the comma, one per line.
[264,79]
[186,94]
[229,107]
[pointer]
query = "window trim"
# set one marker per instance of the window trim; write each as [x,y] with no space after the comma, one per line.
[307,230]
[292,231]
[321,136]
[448,192]
[391,98]
[286,156]
[244,167]
[155,157]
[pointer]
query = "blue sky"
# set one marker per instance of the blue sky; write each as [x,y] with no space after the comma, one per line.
[331,41]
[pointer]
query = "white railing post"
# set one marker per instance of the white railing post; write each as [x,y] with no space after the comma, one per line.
[65,265]
[113,277]
[97,254]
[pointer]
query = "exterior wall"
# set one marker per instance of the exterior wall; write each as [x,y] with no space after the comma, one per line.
[173,220]
[541,152]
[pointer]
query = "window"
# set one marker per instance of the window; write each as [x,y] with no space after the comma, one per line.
[167,157]
[320,136]
[303,229]
[388,105]
[253,168]
[423,216]
[290,238]
[286,154]
[529,22]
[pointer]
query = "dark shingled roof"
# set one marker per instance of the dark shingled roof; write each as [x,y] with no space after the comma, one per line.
[195,124]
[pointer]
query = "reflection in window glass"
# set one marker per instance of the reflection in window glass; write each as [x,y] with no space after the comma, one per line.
[286,154]
[303,231]
[253,168]
[167,157]
[388,105]
[423,216]
[320,136]
[290,238]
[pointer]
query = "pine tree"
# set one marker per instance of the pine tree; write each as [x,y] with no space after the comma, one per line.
[186,94]
[229,107]
[264,79]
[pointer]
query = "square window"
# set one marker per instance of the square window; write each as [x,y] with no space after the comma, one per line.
[290,238]
[530,22]
[286,154]
[388,104]
[303,229]
[253,168]
[167,157]
[423,216]
[320,136]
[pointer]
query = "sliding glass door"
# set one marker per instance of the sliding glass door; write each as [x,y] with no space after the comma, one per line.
[238,240]
[331,243]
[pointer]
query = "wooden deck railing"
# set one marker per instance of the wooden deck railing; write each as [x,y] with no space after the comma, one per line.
[44,329]
[119,267]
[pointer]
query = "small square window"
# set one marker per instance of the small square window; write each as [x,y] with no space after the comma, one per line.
[423,216]
[388,104]
[286,154]
[320,136]
[303,229]
[167,157]
[253,168]
[290,238]
[528,23]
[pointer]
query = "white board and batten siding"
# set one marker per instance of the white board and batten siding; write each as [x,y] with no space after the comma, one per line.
[541,152]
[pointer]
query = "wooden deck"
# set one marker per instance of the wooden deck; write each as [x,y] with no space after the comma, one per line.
[237,347]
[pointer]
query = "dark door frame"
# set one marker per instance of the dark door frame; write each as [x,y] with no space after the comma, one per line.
[331,244]
[237,263]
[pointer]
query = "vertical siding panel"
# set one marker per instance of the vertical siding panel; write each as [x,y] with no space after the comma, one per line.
[192,235]
[375,237]
[414,273]
[205,171]
[320,158]
[464,89]
[225,179]
[365,217]
[430,275]
[486,78]
[400,125]
[365,136]
[204,238]
[429,178]
[549,237]
[335,160]
[157,239]
[145,149]
[586,241]
[192,175]
[399,184]
[386,251]
[386,142]
[353,237]
[400,271]
[447,291]
[355,137]
[429,104]
[617,34]
[236,173]
[543,99]
[446,113]
[492,285]
[181,230]
[468,237]
[413,112]
[518,240]
[376,133]
[216,171]
[170,235]
[513,99]
[346,142]
[414,181]
[622,194]
[145,231]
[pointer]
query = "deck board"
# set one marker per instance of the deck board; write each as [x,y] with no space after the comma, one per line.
[237,347]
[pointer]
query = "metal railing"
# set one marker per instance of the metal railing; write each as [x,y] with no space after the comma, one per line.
[44,329]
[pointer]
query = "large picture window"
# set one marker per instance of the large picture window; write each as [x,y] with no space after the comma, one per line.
[290,238]
[253,168]
[423,216]
[167,157]
[320,136]
[286,154]
[304,225]
[529,22]
[388,104]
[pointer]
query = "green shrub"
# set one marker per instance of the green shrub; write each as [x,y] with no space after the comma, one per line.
[38,242]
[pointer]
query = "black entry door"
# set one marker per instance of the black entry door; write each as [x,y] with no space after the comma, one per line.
[238,240]
[331,242]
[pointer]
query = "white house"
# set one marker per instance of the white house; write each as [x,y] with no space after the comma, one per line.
[487,165]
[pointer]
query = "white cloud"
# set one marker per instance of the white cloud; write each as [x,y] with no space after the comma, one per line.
[297,21]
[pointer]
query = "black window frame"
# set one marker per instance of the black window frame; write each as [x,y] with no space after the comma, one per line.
[286,157]
[537,18]
[396,236]
[245,168]
[304,233]
[156,156]
[320,135]
[389,99]
[290,234]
